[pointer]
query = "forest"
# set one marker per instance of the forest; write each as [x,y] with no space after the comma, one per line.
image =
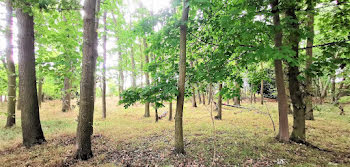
[174,83]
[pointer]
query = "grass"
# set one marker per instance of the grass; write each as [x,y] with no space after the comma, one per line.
[243,138]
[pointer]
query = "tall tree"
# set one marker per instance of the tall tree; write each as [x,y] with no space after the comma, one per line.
[283,133]
[104,38]
[121,73]
[31,127]
[147,113]
[310,41]
[11,70]
[298,133]
[179,141]
[86,111]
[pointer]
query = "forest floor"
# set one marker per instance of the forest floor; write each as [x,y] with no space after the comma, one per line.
[126,138]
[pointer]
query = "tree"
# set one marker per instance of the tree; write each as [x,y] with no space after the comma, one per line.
[298,133]
[104,38]
[310,41]
[86,110]
[147,113]
[11,70]
[179,143]
[283,133]
[30,119]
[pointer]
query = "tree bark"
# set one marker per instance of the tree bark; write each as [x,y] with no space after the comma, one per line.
[133,67]
[170,110]
[283,133]
[179,141]
[40,91]
[104,38]
[262,92]
[219,116]
[11,69]
[30,119]
[298,133]
[147,113]
[194,103]
[86,111]
[308,88]
[210,93]
[121,74]
[141,64]
[66,100]
[199,96]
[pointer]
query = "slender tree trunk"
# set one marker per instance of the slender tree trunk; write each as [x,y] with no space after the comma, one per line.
[262,92]
[179,141]
[104,38]
[40,91]
[121,74]
[210,93]
[96,39]
[194,103]
[86,111]
[298,133]
[254,97]
[147,113]
[133,67]
[199,96]
[30,119]
[219,116]
[333,89]
[283,133]
[11,69]
[141,60]
[324,91]
[170,110]
[66,95]
[203,94]
[308,98]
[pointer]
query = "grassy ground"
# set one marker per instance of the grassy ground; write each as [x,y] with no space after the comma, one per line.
[243,138]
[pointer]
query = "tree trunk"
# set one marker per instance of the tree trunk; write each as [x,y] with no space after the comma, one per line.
[133,67]
[141,64]
[121,74]
[66,95]
[219,116]
[333,89]
[179,141]
[194,103]
[283,133]
[104,38]
[203,94]
[262,92]
[170,110]
[199,96]
[308,88]
[210,93]
[30,119]
[156,115]
[298,133]
[147,113]
[40,91]
[11,69]
[324,91]
[86,110]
